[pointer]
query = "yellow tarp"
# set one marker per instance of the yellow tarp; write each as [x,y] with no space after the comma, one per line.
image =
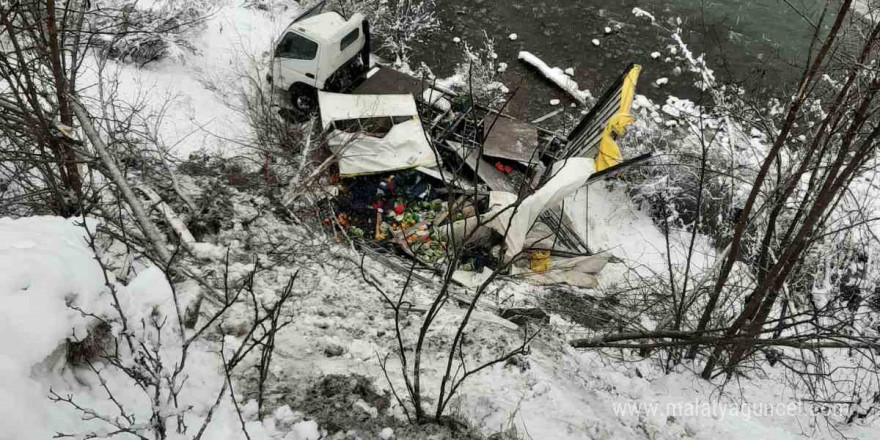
[609,153]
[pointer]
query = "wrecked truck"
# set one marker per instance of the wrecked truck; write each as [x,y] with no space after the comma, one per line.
[413,177]
[319,50]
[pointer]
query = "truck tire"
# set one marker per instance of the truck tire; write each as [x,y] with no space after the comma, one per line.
[304,98]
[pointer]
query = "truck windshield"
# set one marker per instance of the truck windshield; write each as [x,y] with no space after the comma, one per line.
[297,47]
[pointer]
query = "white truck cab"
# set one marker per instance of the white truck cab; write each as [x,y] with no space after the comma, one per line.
[316,52]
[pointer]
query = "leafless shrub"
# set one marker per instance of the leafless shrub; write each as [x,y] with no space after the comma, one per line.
[398,24]
[141,34]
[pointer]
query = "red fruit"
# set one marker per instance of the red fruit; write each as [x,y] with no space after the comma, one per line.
[399,208]
[499,166]
[508,169]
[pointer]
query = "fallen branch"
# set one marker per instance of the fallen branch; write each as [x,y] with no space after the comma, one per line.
[684,338]
[150,230]
[556,76]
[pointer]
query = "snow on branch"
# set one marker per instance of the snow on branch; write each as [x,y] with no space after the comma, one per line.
[557,76]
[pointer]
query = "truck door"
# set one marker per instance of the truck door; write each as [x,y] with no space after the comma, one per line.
[297,58]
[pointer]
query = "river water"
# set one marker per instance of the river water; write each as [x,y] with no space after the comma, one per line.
[759,44]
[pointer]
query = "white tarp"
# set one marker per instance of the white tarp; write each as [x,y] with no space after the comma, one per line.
[516,221]
[339,106]
[577,271]
[404,146]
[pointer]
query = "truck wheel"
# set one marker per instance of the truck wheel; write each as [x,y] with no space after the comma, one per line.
[304,98]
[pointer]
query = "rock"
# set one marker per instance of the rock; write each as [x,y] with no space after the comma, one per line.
[555,102]
[386,434]
[569,71]
[661,81]
[334,350]
[655,55]
[595,42]
[520,316]
[607,30]
[513,37]
[456,40]
[502,67]
[519,362]
[366,408]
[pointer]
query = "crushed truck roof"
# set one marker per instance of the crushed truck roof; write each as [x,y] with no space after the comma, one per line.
[340,107]
[325,27]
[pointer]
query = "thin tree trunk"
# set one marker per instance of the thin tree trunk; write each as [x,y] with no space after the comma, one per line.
[150,230]
[793,112]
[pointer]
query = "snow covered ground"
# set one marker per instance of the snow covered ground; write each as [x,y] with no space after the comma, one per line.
[341,325]
[557,392]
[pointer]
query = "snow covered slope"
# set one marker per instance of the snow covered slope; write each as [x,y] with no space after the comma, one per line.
[341,326]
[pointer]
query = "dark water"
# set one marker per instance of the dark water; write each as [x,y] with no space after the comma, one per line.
[759,44]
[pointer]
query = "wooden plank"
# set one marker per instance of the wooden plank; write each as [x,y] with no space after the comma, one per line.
[496,180]
[510,139]
[548,115]
[388,81]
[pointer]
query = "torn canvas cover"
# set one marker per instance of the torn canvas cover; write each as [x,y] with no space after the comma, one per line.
[375,133]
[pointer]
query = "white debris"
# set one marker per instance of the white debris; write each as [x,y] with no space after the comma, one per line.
[456,40]
[555,102]
[595,42]
[638,12]
[569,71]
[436,99]
[386,433]
[655,55]
[502,67]
[557,76]
[607,30]
[662,81]
[513,37]
[676,71]
[493,55]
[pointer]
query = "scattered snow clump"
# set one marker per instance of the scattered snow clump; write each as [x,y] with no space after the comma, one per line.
[554,102]
[456,40]
[638,12]
[557,76]
[502,67]
[655,55]
[595,42]
[513,37]
[607,30]
[307,430]
[569,71]
[386,433]
[662,81]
